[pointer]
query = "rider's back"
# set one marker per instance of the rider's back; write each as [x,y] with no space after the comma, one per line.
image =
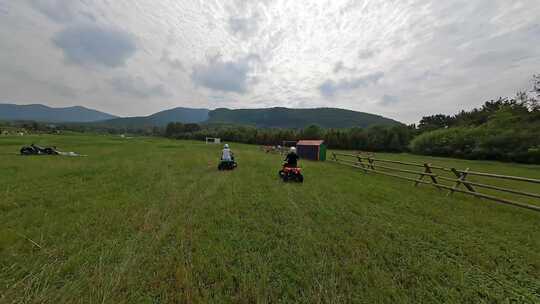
[292,159]
[226,154]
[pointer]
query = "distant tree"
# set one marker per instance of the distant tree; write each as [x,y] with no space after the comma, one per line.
[174,129]
[34,126]
[312,132]
[434,122]
[536,85]
[331,138]
[533,100]
[477,117]
[157,131]
[378,138]
[395,143]
[191,127]
[357,139]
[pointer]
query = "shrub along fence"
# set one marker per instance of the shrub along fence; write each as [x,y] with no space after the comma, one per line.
[440,177]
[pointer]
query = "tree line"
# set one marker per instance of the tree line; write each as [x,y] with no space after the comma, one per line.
[377,138]
[507,129]
[54,128]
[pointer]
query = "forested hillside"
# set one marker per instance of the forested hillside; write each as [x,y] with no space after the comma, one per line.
[159,119]
[298,118]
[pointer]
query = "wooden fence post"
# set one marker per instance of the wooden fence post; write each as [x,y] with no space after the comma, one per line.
[461,176]
[371,163]
[359,158]
[428,172]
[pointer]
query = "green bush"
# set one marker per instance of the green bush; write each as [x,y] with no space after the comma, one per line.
[512,144]
[458,142]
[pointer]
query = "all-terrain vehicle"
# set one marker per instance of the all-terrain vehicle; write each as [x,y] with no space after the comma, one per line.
[37,150]
[227,164]
[293,174]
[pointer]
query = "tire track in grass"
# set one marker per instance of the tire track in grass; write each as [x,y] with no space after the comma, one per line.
[185,208]
[179,206]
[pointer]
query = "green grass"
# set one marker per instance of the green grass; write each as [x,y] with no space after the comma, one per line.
[148,220]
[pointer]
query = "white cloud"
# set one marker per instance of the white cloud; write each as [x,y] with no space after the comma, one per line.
[388,100]
[96,45]
[57,10]
[243,26]
[225,76]
[175,64]
[330,88]
[137,87]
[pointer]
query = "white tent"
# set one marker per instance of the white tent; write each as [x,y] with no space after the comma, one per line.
[213,140]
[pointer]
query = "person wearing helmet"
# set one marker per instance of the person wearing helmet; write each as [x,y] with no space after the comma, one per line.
[292,158]
[226,154]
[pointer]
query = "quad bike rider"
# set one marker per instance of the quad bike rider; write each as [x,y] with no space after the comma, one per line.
[290,170]
[227,161]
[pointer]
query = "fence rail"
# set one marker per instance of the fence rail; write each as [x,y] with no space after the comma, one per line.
[430,176]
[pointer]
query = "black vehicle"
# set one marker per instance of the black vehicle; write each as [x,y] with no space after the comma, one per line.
[37,150]
[227,165]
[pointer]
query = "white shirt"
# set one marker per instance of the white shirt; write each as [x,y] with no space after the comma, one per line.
[226,155]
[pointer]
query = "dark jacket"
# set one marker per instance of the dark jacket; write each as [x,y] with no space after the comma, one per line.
[292,159]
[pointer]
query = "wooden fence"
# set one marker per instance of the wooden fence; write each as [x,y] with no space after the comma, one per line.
[432,175]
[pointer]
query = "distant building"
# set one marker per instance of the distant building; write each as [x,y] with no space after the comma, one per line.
[311,149]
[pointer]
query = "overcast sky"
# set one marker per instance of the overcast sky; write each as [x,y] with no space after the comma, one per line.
[398,58]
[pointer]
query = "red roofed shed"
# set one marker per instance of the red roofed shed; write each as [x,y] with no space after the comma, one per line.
[311,149]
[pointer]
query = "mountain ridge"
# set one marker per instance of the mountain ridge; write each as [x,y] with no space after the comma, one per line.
[161,119]
[43,113]
[275,117]
[282,117]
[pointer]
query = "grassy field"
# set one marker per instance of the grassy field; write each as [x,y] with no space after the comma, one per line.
[148,220]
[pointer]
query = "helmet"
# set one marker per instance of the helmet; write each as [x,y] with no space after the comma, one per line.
[226,146]
[293,149]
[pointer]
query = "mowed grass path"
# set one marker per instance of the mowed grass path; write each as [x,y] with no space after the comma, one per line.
[152,221]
